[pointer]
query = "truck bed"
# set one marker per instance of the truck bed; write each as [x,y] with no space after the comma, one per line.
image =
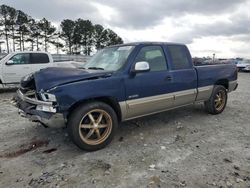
[210,74]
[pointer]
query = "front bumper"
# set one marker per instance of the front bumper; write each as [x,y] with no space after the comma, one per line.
[38,111]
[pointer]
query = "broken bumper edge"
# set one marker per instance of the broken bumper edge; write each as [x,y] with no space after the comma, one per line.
[28,108]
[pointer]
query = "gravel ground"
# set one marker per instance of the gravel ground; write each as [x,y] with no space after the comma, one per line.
[181,148]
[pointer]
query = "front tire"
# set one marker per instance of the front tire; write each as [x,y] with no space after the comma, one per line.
[218,100]
[92,126]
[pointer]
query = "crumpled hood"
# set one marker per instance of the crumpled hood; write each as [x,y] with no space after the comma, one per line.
[54,76]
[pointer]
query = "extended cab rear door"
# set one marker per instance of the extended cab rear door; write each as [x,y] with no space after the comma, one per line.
[39,61]
[184,76]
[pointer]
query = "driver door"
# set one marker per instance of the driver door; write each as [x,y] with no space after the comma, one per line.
[17,67]
[149,92]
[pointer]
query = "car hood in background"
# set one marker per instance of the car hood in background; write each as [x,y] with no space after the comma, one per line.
[243,64]
[54,76]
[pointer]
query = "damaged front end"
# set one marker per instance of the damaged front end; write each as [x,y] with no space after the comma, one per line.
[36,106]
[43,96]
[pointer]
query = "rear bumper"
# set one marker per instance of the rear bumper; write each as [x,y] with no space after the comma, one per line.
[29,108]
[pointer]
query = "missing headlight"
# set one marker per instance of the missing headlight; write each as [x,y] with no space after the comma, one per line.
[48,97]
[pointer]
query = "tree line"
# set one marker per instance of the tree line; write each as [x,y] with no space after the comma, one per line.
[74,36]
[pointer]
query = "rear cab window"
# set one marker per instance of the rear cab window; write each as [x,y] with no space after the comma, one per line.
[37,58]
[179,57]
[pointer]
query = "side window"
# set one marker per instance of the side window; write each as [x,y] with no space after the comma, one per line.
[154,56]
[179,57]
[20,59]
[37,58]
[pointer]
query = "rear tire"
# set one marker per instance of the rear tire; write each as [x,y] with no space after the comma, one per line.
[218,100]
[92,126]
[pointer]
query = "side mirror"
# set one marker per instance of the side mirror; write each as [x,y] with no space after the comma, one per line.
[9,62]
[141,66]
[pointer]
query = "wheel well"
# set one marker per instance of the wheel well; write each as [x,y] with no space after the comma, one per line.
[108,100]
[1,81]
[223,82]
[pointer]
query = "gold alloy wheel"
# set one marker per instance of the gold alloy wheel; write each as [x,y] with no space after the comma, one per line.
[220,100]
[95,127]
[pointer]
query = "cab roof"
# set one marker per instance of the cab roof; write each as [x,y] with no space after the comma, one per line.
[148,43]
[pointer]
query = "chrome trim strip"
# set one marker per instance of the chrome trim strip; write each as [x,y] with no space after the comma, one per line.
[156,112]
[185,92]
[32,101]
[158,98]
[135,108]
[153,104]
[145,100]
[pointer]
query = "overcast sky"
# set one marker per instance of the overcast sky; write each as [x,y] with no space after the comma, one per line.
[206,26]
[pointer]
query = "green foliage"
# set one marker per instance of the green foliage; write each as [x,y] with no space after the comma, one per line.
[82,36]
[100,37]
[34,34]
[5,21]
[67,34]
[79,36]
[22,28]
[47,32]
[84,31]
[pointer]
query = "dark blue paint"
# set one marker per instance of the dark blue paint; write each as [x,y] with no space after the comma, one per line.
[53,76]
[71,85]
[210,74]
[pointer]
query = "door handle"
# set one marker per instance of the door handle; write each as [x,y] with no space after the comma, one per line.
[168,78]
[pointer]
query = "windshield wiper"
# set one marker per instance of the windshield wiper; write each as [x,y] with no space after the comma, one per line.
[96,68]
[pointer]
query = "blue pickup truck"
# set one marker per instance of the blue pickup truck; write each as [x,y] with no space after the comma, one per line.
[120,83]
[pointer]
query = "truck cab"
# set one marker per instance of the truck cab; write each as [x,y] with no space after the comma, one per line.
[155,89]
[16,65]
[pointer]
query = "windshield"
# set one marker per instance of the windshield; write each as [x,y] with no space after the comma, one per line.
[111,59]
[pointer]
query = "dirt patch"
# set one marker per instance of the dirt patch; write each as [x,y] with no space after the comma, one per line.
[24,148]
[185,147]
[7,90]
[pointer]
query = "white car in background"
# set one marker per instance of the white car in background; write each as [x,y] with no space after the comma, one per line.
[244,65]
[16,65]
